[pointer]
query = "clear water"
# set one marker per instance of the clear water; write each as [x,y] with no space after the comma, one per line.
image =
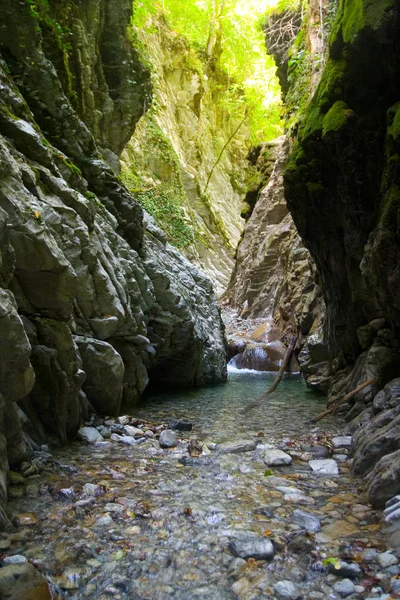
[217,411]
[169,524]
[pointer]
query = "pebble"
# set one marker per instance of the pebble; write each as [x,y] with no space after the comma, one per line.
[326,466]
[341,441]
[387,559]
[344,587]
[89,435]
[236,447]
[251,546]
[276,457]
[14,560]
[286,590]
[307,521]
[167,439]
[345,569]
[180,425]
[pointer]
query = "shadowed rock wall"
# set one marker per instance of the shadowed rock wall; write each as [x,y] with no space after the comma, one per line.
[93,300]
[342,188]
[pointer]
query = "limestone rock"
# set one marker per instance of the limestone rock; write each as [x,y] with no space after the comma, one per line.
[286,590]
[104,371]
[308,521]
[167,439]
[236,447]
[251,546]
[276,457]
[89,435]
[326,466]
[24,581]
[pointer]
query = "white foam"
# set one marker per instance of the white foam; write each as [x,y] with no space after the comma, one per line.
[234,370]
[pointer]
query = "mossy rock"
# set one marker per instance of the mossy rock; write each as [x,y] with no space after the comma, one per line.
[337,117]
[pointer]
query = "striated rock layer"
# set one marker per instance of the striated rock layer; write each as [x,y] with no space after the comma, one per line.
[179,143]
[93,300]
[274,276]
[342,188]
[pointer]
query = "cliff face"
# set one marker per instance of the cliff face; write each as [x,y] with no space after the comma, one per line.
[176,163]
[274,275]
[93,299]
[342,188]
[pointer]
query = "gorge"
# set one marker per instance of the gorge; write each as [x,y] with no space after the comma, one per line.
[142,179]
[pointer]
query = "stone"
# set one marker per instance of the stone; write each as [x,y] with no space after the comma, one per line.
[16,559]
[384,479]
[326,466]
[104,369]
[133,431]
[276,457]
[307,521]
[236,447]
[346,569]
[286,590]
[89,435]
[237,567]
[251,546]
[387,559]
[23,581]
[370,555]
[167,439]
[344,588]
[342,441]
[180,425]
[300,545]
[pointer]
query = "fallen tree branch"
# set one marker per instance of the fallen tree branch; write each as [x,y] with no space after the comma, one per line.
[278,379]
[348,396]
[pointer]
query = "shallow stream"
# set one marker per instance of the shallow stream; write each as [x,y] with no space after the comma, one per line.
[160,524]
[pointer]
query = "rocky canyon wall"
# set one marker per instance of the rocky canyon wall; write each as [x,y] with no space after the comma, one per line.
[176,163]
[93,300]
[342,189]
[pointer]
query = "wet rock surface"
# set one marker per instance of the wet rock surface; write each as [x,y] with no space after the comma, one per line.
[141,521]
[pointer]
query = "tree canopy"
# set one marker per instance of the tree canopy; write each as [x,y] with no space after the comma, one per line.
[229,34]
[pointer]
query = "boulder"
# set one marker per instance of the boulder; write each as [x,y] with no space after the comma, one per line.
[23,581]
[104,371]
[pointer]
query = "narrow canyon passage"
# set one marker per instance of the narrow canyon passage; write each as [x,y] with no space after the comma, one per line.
[115,520]
[192,192]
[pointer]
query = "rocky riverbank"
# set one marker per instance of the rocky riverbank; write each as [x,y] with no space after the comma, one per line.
[144,509]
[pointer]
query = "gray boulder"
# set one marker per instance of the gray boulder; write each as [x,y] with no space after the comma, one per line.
[104,371]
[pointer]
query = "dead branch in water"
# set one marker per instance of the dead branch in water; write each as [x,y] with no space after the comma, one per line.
[348,396]
[278,379]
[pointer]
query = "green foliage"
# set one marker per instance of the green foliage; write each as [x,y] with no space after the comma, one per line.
[57,36]
[247,72]
[160,193]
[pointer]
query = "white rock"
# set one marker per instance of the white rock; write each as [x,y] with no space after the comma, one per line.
[167,439]
[326,466]
[89,435]
[344,587]
[341,441]
[308,521]
[128,439]
[276,458]
[16,559]
[286,590]
[387,559]
[124,420]
[235,447]
[133,431]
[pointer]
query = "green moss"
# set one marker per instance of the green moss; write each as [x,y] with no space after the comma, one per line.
[394,128]
[152,175]
[336,117]
[356,15]
[328,92]
[52,21]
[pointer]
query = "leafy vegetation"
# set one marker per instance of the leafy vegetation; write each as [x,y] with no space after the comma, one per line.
[227,34]
[164,197]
